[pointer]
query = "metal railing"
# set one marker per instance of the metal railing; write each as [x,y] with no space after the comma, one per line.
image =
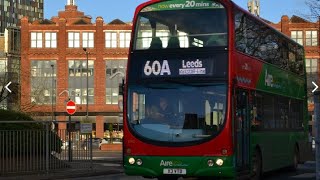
[32,146]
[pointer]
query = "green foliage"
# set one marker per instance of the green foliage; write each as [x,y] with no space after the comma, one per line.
[25,139]
[17,116]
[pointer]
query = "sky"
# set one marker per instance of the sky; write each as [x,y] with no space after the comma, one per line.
[271,10]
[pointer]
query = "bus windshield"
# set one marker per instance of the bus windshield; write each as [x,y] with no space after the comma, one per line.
[181,25]
[175,112]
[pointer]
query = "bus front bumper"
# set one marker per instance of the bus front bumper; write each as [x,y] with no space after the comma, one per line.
[156,166]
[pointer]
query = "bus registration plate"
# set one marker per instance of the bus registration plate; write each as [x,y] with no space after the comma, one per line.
[174,171]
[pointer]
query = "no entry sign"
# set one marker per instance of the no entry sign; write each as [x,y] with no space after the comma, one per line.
[71,107]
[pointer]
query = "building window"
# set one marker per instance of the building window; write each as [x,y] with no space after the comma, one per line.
[36,40]
[311,38]
[78,81]
[125,39]
[311,69]
[111,39]
[88,39]
[115,71]
[43,82]
[297,36]
[311,65]
[73,39]
[51,40]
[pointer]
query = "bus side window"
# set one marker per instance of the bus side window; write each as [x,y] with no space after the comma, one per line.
[256,117]
[217,40]
[257,110]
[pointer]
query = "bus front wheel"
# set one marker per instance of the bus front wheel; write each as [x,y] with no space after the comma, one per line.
[296,159]
[256,165]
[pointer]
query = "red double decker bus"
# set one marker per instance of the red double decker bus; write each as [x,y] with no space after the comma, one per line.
[211,91]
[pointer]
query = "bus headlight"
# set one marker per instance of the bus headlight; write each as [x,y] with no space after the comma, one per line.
[219,162]
[131,160]
[210,162]
[139,162]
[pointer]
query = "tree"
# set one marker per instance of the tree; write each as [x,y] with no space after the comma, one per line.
[314,6]
[3,82]
[9,72]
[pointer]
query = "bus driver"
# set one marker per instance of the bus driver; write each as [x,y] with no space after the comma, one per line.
[161,112]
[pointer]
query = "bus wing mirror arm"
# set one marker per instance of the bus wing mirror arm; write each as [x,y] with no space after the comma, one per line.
[121,87]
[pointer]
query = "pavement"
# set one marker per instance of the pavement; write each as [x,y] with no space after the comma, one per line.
[69,173]
[100,166]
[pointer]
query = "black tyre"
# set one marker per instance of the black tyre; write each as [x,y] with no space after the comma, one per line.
[256,166]
[296,159]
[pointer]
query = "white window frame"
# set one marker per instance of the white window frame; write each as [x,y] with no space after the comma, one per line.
[50,39]
[88,39]
[73,39]
[313,37]
[36,39]
[295,35]
[124,38]
[311,65]
[111,39]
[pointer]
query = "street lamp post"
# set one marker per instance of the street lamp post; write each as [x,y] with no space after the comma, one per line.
[87,54]
[52,92]
[87,116]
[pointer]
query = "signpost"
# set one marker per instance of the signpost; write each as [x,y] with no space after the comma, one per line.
[71,109]
[86,128]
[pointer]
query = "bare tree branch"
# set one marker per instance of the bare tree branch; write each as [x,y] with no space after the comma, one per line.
[314,6]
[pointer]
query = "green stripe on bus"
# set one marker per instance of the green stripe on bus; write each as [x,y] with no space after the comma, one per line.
[281,82]
[182,4]
[153,166]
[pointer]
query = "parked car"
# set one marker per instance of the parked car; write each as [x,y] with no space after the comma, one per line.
[109,141]
[65,145]
[104,141]
[116,140]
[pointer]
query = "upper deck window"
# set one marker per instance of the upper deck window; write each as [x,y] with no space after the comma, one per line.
[183,24]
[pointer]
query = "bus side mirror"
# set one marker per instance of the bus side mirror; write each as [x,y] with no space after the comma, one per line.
[120,96]
[121,87]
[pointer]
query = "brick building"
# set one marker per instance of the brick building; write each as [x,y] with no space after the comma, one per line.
[307,34]
[54,68]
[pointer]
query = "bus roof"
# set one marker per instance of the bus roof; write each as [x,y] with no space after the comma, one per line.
[141,6]
[263,22]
